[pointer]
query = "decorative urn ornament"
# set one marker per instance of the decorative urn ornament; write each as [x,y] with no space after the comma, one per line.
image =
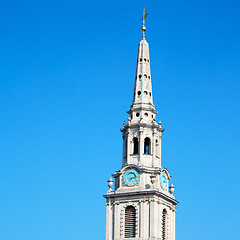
[110,184]
[171,189]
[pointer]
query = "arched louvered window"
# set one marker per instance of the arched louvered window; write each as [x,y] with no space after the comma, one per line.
[147,142]
[164,223]
[130,222]
[135,145]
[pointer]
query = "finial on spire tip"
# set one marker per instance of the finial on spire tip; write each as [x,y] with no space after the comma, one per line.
[143,27]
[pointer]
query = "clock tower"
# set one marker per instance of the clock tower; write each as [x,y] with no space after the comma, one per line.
[142,205]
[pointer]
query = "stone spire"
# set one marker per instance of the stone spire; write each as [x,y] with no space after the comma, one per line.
[142,97]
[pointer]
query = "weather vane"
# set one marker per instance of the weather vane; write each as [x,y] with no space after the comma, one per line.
[143,19]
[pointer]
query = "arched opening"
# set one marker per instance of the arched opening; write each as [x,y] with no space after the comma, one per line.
[135,145]
[130,222]
[147,142]
[164,219]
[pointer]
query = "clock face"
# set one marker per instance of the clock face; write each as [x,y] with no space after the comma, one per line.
[131,177]
[163,180]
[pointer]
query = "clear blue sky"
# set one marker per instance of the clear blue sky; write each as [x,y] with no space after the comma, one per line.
[66,81]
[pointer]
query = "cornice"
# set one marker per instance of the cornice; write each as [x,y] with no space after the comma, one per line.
[152,125]
[151,109]
[141,169]
[143,194]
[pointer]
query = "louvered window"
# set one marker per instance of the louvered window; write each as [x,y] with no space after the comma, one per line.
[164,219]
[130,222]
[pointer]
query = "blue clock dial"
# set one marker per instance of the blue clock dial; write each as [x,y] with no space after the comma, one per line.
[131,177]
[163,180]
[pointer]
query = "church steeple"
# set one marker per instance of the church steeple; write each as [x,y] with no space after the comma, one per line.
[142,205]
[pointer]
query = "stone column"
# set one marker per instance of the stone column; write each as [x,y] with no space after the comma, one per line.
[108,221]
[153,218]
[159,218]
[147,221]
[116,221]
[128,146]
[153,146]
[141,146]
[144,220]
[124,152]
[170,224]
[160,151]
[173,224]
[141,219]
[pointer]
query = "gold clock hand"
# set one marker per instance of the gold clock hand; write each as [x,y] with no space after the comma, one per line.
[131,178]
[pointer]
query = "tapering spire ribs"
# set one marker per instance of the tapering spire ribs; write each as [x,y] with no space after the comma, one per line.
[143,87]
[142,108]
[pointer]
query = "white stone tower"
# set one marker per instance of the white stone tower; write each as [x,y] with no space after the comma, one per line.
[142,206]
